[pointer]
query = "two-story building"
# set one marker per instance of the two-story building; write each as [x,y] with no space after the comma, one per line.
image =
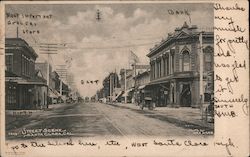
[141,85]
[132,83]
[111,87]
[24,87]
[175,67]
[130,86]
[53,83]
[125,81]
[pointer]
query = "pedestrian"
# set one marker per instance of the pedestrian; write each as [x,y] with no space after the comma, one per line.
[39,104]
[35,104]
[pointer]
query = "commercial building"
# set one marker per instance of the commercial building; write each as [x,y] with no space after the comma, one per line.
[111,87]
[25,87]
[53,83]
[131,80]
[175,68]
[141,85]
[127,84]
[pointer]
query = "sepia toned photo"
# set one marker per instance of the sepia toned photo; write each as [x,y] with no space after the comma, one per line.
[108,70]
[124,78]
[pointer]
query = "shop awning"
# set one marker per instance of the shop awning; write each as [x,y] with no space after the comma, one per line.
[20,80]
[119,94]
[56,93]
[157,82]
[142,86]
[52,94]
[126,92]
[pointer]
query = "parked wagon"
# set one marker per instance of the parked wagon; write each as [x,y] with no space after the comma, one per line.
[147,102]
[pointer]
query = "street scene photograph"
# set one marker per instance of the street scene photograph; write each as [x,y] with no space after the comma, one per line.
[109,70]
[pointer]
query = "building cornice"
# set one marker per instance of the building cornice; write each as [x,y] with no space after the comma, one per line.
[172,39]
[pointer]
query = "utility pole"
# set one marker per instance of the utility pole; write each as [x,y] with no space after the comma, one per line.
[48,49]
[134,83]
[110,86]
[17,33]
[201,75]
[125,84]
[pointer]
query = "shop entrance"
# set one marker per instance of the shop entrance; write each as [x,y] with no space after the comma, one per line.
[185,96]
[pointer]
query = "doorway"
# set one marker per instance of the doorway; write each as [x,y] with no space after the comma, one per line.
[185,96]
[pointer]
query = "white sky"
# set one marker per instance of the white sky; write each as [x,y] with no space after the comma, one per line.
[100,47]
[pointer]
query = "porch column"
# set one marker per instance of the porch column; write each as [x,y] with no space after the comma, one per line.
[162,66]
[156,70]
[166,66]
[170,71]
[171,93]
[177,94]
[195,94]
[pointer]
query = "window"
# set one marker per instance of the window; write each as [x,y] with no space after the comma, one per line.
[167,66]
[154,70]
[160,68]
[172,60]
[26,65]
[186,61]
[164,66]
[23,64]
[208,65]
[10,95]
[151,72]
[9,62]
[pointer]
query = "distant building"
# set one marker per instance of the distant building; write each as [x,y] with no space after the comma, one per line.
[53,82]
[175,67]
[129,89]
[122,79]
[65,89]
[141,86]
[25,87]
[139,68]
[131,81]
[110,85]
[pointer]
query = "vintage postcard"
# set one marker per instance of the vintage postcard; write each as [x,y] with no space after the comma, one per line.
[124,78]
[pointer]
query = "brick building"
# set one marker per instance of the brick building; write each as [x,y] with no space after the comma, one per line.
[24,89]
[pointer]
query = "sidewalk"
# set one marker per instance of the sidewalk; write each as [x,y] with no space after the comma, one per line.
[16,118]
[190,117]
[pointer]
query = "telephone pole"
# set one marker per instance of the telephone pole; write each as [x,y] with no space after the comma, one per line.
[201,75]
[125,84]
[110,86]
[47,48]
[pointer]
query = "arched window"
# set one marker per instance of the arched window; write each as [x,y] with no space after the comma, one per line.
[185,61]
[208,58]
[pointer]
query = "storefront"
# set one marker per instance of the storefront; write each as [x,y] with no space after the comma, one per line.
[53,97]
[11,95]
[160,94]
[25,94]
[130,94]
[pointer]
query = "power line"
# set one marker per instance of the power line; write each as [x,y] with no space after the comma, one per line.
[113,47]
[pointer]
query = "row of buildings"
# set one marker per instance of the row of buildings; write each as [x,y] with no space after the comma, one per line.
[26,84]
[179,74]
